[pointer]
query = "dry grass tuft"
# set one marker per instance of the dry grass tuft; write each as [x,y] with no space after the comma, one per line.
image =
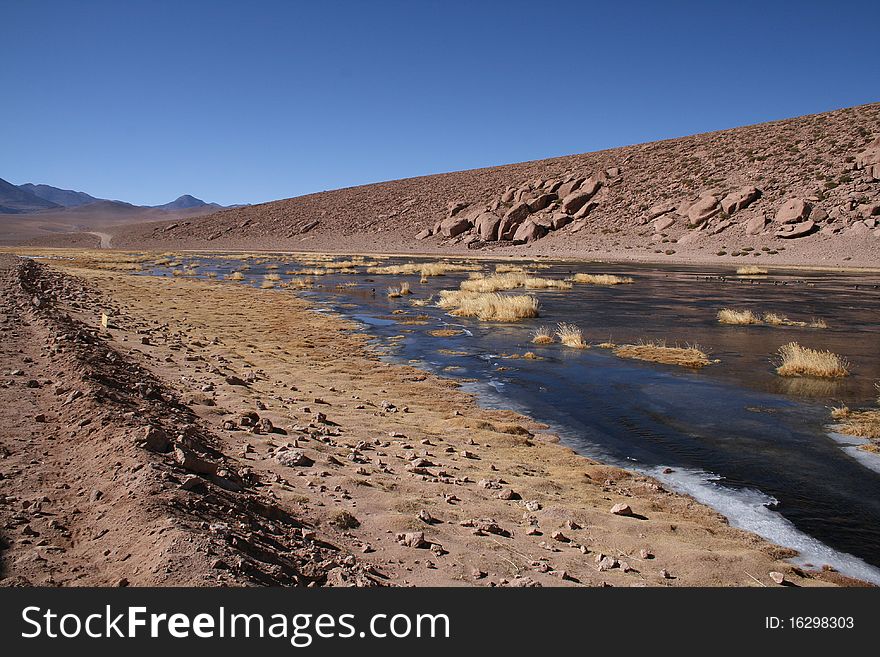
[657,352]
[731,316]
[399,291]
[267,285]
[751,270]
[796,360]
[571,336]
[423,269]
[489,306]
[862,424]
[272,277]
[236,276]
[747,317]
[601,279]
[511,281]
[543,335]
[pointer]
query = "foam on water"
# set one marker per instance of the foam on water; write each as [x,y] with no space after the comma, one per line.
[850,445]
[747,509]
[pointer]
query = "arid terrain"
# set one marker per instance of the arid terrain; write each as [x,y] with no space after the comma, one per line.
[171,431]
[802,191]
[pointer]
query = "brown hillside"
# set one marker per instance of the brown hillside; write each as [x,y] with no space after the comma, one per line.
[808,188]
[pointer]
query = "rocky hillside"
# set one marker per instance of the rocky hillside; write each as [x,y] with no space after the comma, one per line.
[799,181]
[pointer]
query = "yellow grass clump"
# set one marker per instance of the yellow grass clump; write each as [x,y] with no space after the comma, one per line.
[267,285]
[489,306]
[751,270]
[658,352]
[601,279]
[747,317]
[399,291]
[424,269]
[272,277]
[419,303]
[511,281]
[571,336]
[732,316]
[236,276]
[862,424]
[795,360]
[542,335]
[775,319]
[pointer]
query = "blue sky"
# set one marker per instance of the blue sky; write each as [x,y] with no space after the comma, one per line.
[248,102]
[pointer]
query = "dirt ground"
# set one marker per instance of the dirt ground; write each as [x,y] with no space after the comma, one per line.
[214,434]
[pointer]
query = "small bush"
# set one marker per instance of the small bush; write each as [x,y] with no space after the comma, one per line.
[795,360]
[542,335]
[570,335]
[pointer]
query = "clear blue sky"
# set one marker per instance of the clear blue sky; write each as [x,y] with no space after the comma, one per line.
[254,101]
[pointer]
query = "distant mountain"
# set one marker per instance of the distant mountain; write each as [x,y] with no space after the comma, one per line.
[185,202]
[15,200]
[30,197]
[63,197]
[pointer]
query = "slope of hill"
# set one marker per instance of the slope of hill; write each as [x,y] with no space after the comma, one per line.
[799,190]
[15,200]
[64,197]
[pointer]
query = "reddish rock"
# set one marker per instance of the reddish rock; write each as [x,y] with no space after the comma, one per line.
[425,234]
[790,231]
[663,223]
[793,211]
[529,231]
[454,226]
[487,224]
[544,200]
[704,209]
[739,199]
[512,219]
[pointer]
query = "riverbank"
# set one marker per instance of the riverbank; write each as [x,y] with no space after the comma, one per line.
[398,468]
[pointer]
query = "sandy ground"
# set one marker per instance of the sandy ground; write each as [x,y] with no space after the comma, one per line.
[365,473]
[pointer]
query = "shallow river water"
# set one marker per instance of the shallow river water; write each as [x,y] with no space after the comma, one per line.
[735,435]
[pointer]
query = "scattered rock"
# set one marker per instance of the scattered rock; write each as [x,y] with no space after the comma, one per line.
[796,230]
[413,540]
[793,211]
[294,458]
[621,509]
[739,199]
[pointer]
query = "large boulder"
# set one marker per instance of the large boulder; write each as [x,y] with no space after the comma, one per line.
[455,226]
[487,226]
[793,211]
[560,219]
[586,208]
[870,156]
[575,201]
[660,209]
[590,186]
[755,225]
[569,186]
[512,219]
[454,207]
[507,196]
[529,231]
[790,231]
[740,198]
[704,209]
[663,222]
[544,200]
